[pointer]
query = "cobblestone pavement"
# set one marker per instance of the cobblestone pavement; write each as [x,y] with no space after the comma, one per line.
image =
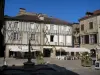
[73,65]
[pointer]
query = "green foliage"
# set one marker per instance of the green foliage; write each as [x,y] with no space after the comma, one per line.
[40,59]
[86,60]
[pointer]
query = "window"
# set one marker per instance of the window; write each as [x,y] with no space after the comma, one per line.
[32,36]
[72,53]
[52,38]
[15,24]
[91,25]
[15,36]
[93,38]
[86,39]
[82,27]
[77,54]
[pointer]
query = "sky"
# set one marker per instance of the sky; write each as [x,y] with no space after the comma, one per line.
[68,10]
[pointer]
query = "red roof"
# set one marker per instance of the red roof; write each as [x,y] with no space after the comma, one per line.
[97,12]
[35,18]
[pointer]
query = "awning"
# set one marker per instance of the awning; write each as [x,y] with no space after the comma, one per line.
[66,49]
[47,46]
[33,49]
[23,48]
[77,50]
[14,48]
[60,48]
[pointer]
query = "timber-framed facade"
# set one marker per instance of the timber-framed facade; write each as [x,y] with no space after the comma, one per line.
[46,33]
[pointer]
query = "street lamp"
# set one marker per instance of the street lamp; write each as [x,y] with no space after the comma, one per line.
[29,63]
[4,62]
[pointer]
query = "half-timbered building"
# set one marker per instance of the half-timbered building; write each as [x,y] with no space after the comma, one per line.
[46,34]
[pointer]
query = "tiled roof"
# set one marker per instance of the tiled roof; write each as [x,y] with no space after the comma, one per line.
[35,18]
[97,12]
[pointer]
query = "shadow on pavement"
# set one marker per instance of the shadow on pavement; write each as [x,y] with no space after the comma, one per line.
[43,69]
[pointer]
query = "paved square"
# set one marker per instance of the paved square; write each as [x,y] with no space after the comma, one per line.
[73,65]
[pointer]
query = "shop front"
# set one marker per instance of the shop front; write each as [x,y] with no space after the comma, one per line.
[22,51]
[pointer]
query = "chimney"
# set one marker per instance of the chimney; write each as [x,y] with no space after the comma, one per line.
[22,10]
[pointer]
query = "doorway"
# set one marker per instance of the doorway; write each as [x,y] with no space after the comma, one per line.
[46,52]
[93,52]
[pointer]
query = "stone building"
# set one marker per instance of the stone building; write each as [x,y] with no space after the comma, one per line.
[46,33]
[89,30]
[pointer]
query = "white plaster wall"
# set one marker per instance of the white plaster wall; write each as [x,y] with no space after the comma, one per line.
[48,37]
[29,27]
[8,36]
[10,25]
[24,38]
[69,40]
[60,38]
[56,38]
[48,26]
[64,29]
[55,27]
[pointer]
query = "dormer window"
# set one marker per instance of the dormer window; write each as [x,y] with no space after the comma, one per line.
[32,25]
[41,17]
